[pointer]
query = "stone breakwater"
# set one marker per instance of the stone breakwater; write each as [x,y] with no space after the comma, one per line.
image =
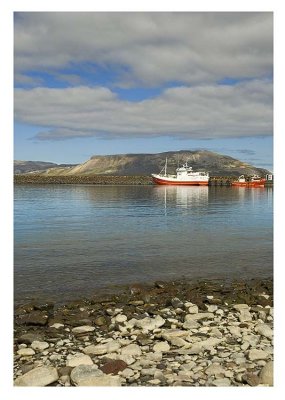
[82,179]
[106,180]
[166,334]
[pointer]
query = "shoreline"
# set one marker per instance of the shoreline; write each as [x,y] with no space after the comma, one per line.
[144,180]
[117,289]
[177,333]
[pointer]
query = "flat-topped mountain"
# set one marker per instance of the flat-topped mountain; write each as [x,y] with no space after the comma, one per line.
[145,164]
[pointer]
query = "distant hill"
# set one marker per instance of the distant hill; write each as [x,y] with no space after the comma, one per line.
[24,167]
[145,164]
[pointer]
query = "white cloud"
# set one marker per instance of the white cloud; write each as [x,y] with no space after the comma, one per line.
[152,48]
[204,112]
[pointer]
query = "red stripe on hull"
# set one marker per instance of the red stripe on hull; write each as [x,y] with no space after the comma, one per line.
[193,183]
[248,184]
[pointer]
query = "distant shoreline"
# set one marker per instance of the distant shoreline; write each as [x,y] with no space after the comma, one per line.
[104,180]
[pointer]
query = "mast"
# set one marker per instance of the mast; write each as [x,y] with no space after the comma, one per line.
[165,167]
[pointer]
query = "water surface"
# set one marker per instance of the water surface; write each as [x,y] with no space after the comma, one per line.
[73,239]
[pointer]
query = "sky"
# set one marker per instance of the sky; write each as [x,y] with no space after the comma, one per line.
[91,83]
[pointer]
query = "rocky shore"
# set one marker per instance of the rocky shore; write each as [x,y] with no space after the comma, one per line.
[205,333]
[82,179]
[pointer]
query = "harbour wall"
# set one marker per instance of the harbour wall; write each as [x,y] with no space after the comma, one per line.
[106,180]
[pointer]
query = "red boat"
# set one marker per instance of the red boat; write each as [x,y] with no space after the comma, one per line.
[184,176]
[254,181]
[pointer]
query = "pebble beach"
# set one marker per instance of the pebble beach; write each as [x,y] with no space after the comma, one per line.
[203,333]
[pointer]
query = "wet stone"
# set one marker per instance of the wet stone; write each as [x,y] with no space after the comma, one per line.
[33,318]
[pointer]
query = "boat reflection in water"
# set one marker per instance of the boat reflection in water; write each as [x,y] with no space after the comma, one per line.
[182,196]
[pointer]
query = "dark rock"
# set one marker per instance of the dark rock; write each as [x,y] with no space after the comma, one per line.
[113,367]
[161,366]
[100,321]
[136,288]
[136,302]
[159,284]
[143,339]
[215,300]
[63,371]
[231,340]
[176,303]
[96,307]
[28,338]
[146,297]
[27,367]
[24,309]
[151,309]
[43,306]
[251,379]
[264,302]
[33,318]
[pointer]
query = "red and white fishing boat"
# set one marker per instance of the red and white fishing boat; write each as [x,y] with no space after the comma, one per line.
[184,176]
[254,181]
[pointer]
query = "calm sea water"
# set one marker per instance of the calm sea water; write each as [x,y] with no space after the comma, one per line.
[73,239]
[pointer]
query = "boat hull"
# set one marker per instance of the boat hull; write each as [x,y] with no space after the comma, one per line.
[172,181]
[249,184]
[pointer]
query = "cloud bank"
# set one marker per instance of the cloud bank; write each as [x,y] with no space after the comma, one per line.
[148,48]
[188,56]
[204,112]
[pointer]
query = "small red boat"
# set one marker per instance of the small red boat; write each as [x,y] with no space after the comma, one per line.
[254,181]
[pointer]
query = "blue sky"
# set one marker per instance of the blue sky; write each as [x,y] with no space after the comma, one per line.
[108,83]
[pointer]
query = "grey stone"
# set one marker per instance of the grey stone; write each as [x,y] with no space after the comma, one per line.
[222,382]
[161,347]
[149,324]
[215,369]
[240,307]
[212,308]
[198,316]
[244,315]
[121,318]
[266,374]
[169,334]
[127,373]
[37,345]
[190,325]
[103,348]
[104,380]
[57,325]
[193,309]
[264,330]
[83,329]
[79,359]
[40,376]
[82,375]
[131,350]
[179,342]
[26,352]
[256,354]
[235,331]
[253,340]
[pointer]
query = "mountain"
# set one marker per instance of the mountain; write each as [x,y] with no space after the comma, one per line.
[145,164]
[23,167]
